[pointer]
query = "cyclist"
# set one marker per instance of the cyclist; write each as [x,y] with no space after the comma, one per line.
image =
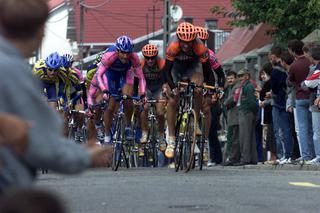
[53,77]
[95,126]
[116,71]
[75,93]
[203,35]
[152,66]
[92,69]
[186,58]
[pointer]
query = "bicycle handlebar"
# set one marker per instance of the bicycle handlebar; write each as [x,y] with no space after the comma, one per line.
[204,86]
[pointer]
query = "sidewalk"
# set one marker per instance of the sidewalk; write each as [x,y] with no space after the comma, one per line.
[272,167]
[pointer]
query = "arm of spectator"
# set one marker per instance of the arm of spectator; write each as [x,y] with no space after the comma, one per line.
[290,102]
[48,148]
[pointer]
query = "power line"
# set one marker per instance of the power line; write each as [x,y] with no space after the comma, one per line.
[101,25]
[58,19]
[95,6]
[64,39]
[124,21]
[124,14]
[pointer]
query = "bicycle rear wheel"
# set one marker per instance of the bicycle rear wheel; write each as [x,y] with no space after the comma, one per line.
[154,148]
[179,145]
[190,143]
[117,145]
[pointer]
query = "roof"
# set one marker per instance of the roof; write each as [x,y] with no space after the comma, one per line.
[55,3]
[242,40]
[108,19]
[313,37]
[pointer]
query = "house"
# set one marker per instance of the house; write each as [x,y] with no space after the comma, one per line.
[105,20]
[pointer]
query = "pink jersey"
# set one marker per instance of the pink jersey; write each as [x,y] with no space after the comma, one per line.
[111,63]
[79,74]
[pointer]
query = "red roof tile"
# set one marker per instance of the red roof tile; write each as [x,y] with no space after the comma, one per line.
[116,17]
[54,3]
[242,40]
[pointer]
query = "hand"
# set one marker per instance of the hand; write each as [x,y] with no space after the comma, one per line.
[101,156]
[174,91]
[214,98]
[290,109]
[14,133]
[268,95]
[317,102]
[106,96]
[144,98]
[89,112]
[261,104]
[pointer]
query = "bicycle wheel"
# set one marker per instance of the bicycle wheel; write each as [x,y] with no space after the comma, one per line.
[71,132]
[201,142]
[179,144]
[117,146]
[190,141]
[154,148]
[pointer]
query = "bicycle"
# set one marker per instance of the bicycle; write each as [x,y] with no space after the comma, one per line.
[122,149]
[152,145]
[186,137]
[72,126]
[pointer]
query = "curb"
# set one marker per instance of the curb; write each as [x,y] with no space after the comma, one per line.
[273,167]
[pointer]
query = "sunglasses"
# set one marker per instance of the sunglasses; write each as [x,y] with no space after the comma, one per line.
[150,58]
[122,52]
[52,70]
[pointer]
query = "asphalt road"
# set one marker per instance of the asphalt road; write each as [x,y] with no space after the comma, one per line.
[216,189]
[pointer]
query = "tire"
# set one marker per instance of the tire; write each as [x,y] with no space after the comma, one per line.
[179,145]
[154,149]
[190,133]
[117,146]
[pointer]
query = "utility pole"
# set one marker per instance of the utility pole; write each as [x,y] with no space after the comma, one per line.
[153,19]
[166,25]
[147,22]
[81,52]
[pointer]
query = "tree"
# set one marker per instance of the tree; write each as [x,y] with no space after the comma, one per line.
[289,19]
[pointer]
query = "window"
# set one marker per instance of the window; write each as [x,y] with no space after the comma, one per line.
[211,24]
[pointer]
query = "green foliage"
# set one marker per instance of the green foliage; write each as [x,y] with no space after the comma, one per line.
[290,19]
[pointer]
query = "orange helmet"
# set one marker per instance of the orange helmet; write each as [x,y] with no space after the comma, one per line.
[186,32]
[150,50]
[202,33]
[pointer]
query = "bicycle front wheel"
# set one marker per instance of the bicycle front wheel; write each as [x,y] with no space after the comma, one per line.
[190,141]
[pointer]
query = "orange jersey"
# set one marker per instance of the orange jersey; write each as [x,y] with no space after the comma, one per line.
[152,73]
[198,51]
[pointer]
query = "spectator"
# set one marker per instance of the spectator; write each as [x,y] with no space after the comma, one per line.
[215,153]
[313,82]
[297,73]
[21,32]
[269,142]
[246,101]
[286,61]
[280,117]
[232,150]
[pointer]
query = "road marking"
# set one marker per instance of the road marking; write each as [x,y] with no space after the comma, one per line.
[304,184]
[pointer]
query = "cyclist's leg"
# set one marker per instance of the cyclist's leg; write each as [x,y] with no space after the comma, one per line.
[128,104]
[95,125]
[108,116]
[160,107]
[160,111]
[144,123]
[172,107]
[197,77]
[79,121]
[51,94]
